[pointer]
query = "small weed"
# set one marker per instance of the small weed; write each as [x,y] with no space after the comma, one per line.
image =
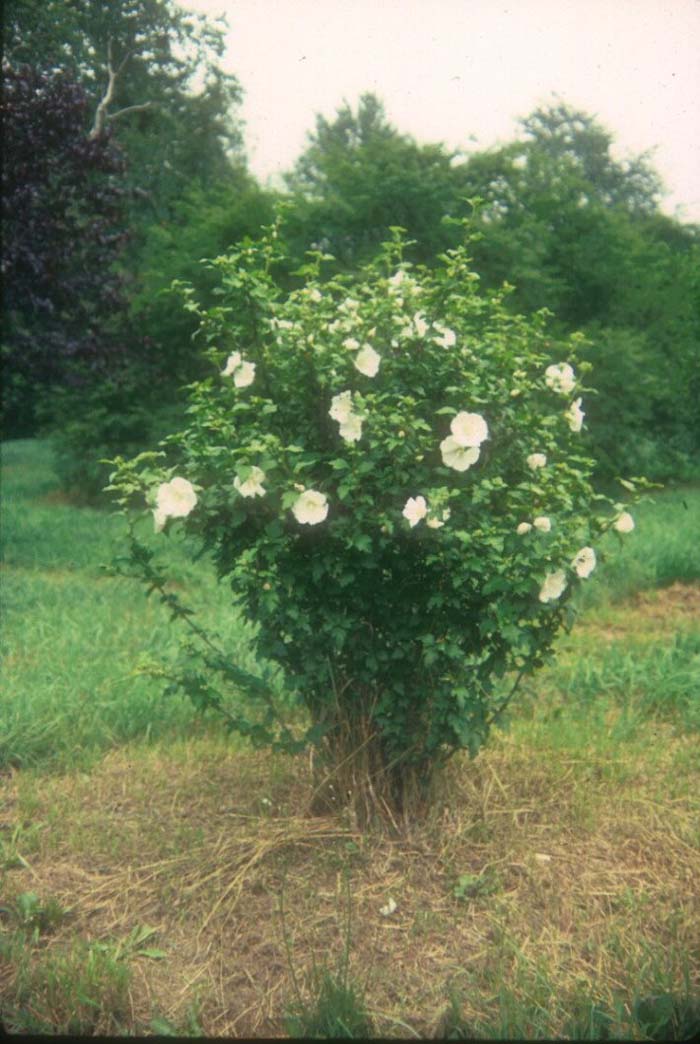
[33,916]
[472,886]
[336,1007]
[190,1026]
[335,1011]
[132,946]
[78,992]
[15,847]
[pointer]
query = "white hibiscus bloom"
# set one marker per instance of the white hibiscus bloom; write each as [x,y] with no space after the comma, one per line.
[421,326]
[351,344]
[341,406]
[543,523]
[311,507]
[244,375]
[560,378]
[469,429]
[584,562]
[523,528]
[252,487]
[575,415]
[536,460]
[174,499]
[553,586]
[415,509]
[625,523]
[447,338]
[351,428]
[367,361]
[232,363]
[457,456]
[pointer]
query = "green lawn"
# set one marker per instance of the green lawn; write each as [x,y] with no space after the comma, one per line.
[144,856]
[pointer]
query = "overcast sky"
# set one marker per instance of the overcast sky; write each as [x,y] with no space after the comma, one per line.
[462,72]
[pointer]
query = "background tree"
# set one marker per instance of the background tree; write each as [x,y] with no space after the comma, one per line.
[63,228]
[578,231]
[172,107]
[359,177]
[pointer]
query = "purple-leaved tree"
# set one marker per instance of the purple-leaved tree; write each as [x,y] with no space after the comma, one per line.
[63,229]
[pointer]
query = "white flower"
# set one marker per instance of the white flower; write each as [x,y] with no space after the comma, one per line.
[575,415]
[469,429]
[397,279]
[174,499]
[536,460]
[554,584]
[625,523]
[560,378]
[311,507]
[341,407]
[447,339]
[244,375]
[584,562]
[415,509]
[387,911]
[367,361]
[420,324]
[252,487]
[351,344]
[542,523]
[351,428]
[349,305]
[523,528]
[457,456]
[232,363]
[315,295]
[282,324]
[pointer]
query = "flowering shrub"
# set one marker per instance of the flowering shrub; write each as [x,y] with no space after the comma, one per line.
[387,470]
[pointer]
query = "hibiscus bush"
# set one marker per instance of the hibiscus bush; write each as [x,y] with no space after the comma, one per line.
[387,469]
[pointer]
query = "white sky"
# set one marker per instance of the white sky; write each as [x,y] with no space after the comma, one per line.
[462,71]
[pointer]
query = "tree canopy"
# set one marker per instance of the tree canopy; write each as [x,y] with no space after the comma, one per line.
[359,177]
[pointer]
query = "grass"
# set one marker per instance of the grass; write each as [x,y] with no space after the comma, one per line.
[74,638]
[144,856]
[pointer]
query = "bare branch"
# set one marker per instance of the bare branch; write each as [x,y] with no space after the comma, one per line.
[101,113]
[98,125]
[130,108]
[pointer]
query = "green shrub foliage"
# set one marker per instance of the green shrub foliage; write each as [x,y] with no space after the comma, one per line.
[387,469]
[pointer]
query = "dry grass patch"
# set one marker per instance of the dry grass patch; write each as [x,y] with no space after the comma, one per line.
[651,614]
[540,870]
